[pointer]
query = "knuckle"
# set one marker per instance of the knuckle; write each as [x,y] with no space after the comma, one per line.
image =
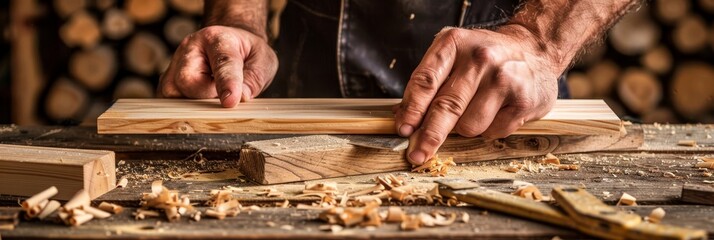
[484,54]
[425,79]
[452,34]
[449,103]
[469,129]
[431,137]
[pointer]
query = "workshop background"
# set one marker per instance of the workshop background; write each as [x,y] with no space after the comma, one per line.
[64,61]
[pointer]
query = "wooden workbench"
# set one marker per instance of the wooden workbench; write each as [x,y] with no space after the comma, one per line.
[141,159]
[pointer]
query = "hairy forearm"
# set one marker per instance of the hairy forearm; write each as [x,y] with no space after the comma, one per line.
[563,28]
[250,15]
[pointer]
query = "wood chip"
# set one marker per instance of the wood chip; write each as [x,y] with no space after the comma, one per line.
[110,207]
[39,197]
[709,165]
[77,220]
[435,166]
[550,159]
[687,143]
[465,218]
[656,215]
[627,200]
[97,213]
[410,223]
[569,167]
[529,192]
[50,208]
[395,214]
[322,186]
[215,214]
[123,182]
[141,214]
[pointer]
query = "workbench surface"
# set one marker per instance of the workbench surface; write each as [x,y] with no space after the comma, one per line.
[196,164]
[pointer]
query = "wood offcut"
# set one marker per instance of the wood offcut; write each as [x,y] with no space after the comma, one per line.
[32,169]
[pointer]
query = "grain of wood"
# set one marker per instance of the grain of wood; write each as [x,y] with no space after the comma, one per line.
[66,100]
[68,169]
[318,116]
[144,53]
[692,89]
[94,68]
[323,156]
[81,30]
[117,24]
[639,90]
[634,34]
[145,11]
[194,7]
[658,60]
[690,34]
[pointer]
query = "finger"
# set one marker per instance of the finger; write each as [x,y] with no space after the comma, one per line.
[225,56]
[483,107]
[506,122]
[443,114]
[426,80]
[193,75]
[258,72]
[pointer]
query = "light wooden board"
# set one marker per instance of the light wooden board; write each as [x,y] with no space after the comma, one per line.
[318,116]
[325,156]
[26,170]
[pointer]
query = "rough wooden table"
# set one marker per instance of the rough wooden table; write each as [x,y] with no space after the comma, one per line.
[641,172]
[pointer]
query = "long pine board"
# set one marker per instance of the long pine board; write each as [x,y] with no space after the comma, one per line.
[27,170]
[319,116]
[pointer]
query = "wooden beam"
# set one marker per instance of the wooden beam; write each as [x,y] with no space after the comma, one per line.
[26,170]
[698,194]
[325,156]
[319,116]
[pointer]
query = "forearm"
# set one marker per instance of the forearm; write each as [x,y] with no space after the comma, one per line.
[562,28]
[250,15]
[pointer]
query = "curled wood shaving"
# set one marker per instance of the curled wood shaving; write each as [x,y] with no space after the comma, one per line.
[435,166]
[271,192]
[529,192]
[167,200]
[627,200]
[141,214]
[570,167]
[111,208]
[123,182]
[72,214]
[410,223]
[550,159]
[49,208]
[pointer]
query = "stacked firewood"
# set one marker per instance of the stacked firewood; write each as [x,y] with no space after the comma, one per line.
[657,64]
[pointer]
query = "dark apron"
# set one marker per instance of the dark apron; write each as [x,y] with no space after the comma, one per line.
[368,48]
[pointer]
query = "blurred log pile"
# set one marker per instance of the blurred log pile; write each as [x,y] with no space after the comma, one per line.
[76,56]
[657,64]
[89,52]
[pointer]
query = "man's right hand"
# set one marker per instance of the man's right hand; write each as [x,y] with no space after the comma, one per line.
[219,61]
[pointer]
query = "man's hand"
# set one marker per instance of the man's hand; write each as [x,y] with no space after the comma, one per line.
[219,61]
[476,82]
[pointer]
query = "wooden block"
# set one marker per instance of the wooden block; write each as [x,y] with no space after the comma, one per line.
[324,156]
[319,116]
[26,170]
[698,194]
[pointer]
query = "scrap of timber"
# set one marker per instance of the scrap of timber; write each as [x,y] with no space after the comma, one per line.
[26,170]
[323,156]
[319,116]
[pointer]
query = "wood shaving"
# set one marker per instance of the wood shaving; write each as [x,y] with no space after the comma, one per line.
[627,200]
[123,182]
[569,167]
[687,143]
[529,192]
[435,166]
[709,165]
[550,159]
[656,215]
[167,200]
[111,208]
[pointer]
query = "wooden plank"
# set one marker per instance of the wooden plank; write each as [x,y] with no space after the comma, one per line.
[325,156]
[319,116]
[698,194]
[26,170]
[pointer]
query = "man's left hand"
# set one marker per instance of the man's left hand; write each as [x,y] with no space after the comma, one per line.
[476,82]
